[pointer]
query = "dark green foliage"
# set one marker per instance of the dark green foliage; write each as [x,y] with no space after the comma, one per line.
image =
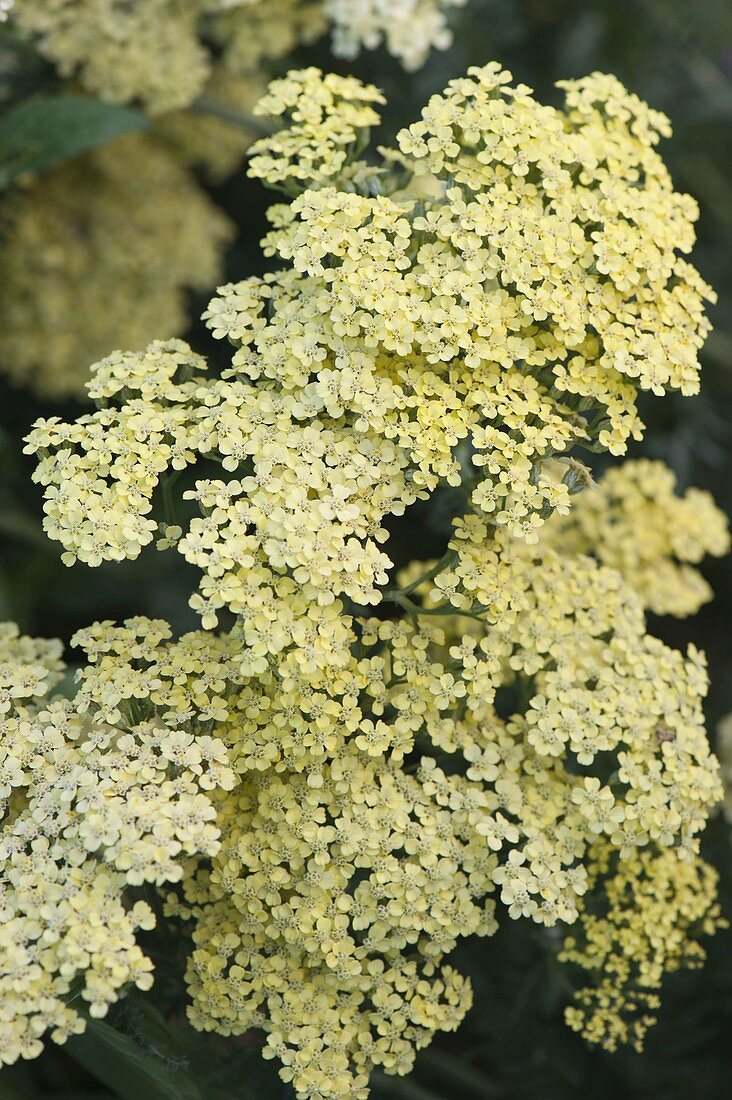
[46,130]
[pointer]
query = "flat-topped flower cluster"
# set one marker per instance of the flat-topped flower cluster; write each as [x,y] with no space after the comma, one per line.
[163,52]
[637,524]
[89,806]
[126,231]
[460,315]
[82,276]
[408,345]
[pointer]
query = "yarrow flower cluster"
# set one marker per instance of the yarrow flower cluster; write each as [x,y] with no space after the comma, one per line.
[410,29]
[125,230]
[408,346]
[92,804]
[505,735]
[329,119]
[150,230]
[641,933]
[99,253]
[149,52]
[635,523]
[161,52]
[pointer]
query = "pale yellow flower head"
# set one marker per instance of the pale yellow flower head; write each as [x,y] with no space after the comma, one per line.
[98,253]
[161,53]
[636,523]
[97,796]
[506,738]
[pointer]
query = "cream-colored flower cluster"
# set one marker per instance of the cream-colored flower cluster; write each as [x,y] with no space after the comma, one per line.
[98,252]
[640,933]
[409,345]
[121,51]
[157,53]
[636,523]
[162,53]
[410,29]
[343,878]
[328,119]
[97,796]
[457,317]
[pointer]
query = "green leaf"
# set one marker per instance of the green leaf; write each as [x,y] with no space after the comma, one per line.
[127,1069]
[47,130]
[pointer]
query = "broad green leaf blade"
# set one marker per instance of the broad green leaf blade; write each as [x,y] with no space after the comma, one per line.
[47,130]
[217,1077]
[127,1069]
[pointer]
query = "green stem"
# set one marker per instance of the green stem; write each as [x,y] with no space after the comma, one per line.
[18,526]
[227,114]
[444,609]
[447,559]
[166,487]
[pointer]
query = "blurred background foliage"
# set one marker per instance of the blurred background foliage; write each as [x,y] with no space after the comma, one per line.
[514,1045]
